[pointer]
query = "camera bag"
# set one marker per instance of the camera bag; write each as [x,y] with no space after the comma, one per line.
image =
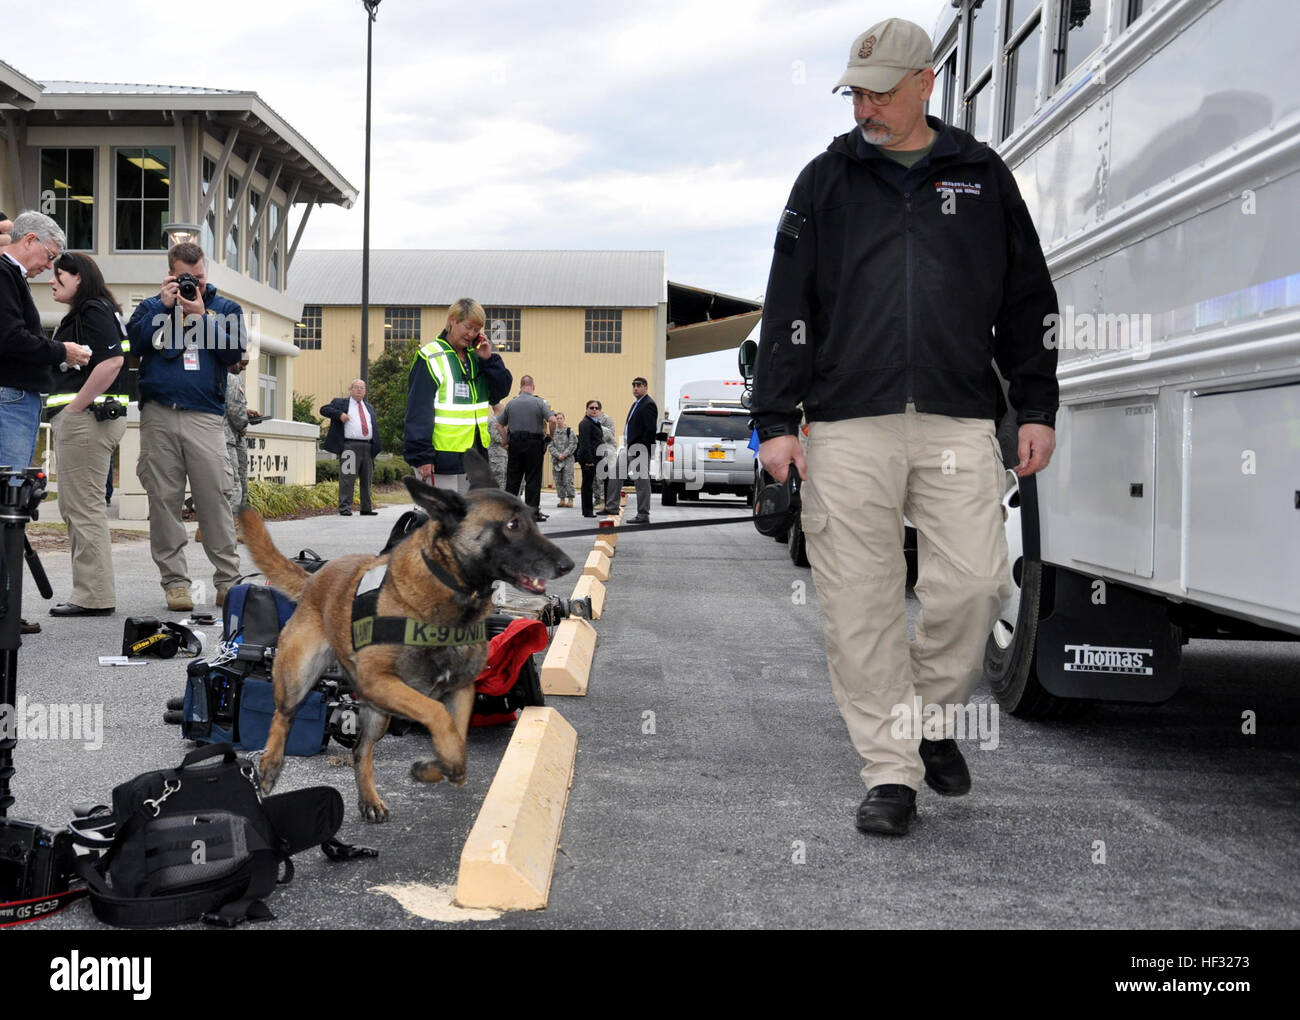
[200,842]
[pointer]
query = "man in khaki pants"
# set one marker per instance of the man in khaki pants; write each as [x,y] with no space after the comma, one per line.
[901,251]
[187,338]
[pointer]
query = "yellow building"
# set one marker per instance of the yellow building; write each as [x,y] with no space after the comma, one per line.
[583,324]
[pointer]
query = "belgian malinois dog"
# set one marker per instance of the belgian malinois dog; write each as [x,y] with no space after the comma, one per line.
[415,650]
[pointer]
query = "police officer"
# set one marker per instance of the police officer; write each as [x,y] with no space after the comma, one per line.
[528,424]
[449,396]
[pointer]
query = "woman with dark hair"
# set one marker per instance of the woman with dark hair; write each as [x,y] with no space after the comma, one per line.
[88,419]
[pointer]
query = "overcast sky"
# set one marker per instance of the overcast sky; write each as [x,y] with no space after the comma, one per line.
[678,125]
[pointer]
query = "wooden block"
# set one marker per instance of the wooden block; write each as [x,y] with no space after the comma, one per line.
[568,661]
[588,585]
[597,565]
[509,858]
[605,546]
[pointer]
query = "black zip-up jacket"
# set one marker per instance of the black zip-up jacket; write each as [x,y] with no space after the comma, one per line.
[26,356]
[891,284]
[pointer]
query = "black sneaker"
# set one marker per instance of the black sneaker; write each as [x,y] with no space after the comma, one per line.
[887,810]
[945,768]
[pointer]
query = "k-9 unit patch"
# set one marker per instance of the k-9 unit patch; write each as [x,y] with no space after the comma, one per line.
[787,231]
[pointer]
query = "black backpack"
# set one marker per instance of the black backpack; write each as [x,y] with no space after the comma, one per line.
[200,842]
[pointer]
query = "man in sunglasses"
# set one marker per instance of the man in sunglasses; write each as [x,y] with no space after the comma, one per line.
[906,264]
[27,358]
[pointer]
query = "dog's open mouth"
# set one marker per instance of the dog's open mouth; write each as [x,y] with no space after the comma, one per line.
[533,584]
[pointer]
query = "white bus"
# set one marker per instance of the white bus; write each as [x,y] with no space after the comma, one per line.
[1157,145]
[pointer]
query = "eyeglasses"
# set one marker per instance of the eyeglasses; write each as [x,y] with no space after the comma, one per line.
[876,98]
[593,407]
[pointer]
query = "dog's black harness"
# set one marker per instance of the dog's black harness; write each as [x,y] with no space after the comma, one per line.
[368,628]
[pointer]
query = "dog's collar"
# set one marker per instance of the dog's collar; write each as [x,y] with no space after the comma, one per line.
[368,628]
[464,593]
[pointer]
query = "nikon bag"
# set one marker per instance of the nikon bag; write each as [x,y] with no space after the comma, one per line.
[198,842]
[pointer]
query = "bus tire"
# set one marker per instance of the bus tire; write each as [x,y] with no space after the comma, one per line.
[1009,653]
[669,495]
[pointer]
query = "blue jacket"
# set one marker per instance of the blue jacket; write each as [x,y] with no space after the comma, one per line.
[220,343]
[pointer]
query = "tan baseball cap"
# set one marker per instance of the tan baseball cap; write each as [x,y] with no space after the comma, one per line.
[884,53]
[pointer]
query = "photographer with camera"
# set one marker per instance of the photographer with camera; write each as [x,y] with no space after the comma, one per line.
[187,338]
[87,413]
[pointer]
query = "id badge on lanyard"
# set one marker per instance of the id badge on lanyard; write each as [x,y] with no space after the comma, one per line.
[461,390]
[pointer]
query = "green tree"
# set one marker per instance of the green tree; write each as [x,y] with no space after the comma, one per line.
[387,391]
[303,410]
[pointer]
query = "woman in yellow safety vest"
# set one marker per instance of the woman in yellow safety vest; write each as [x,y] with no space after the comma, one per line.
[454,382]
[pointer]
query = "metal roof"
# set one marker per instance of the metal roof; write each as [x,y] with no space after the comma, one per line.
[567,279]
[85,103]
[16,88]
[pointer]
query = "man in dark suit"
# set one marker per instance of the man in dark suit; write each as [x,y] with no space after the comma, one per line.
[639,434]
[354,436]
[590,437]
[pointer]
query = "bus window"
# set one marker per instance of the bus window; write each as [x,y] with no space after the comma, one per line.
[1021,80]
[979,112]
[981,41]
[1082,24]
[941,97]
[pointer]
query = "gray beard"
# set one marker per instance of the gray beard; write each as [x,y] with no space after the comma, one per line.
[876,135]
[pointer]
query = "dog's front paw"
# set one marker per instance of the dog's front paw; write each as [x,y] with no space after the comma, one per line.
[374,811]
[426,772]
[454,771]
[269,772]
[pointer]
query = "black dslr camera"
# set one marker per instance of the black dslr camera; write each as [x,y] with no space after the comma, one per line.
[189,286]
[108,410]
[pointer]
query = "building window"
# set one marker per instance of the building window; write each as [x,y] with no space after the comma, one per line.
[604,332]
[503,329]
[306,332]
[273,259]
[209,225]
[232,222]
[143,202]
[254,239]
[401,325]
[267,385]
[68,193]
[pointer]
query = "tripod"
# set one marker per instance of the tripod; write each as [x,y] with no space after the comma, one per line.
[19,503]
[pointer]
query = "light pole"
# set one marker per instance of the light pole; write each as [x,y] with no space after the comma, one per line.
[372,8]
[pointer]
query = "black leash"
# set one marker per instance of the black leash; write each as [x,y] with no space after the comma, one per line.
[694,523]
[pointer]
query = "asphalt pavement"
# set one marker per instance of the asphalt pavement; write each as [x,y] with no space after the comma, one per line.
[715,785]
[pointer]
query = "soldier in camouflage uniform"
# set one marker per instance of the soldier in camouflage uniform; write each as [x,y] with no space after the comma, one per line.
[497,455]
[236,423]
[563,445]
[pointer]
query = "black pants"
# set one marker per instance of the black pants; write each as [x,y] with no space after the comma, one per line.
[355,455]
[588,480]
[524,463]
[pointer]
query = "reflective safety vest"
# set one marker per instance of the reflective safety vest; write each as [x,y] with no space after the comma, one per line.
[461,401]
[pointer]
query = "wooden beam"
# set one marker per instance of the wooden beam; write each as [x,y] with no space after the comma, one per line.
[509,858]
[181,171]
[284,220]
[218,176]
[302,224]
[237,206]
[266,200]
[12,127]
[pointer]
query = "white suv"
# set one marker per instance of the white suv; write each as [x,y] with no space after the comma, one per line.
[707,451]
